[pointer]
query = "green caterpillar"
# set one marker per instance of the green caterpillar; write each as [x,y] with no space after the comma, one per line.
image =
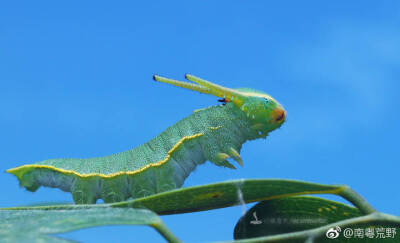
[215,134]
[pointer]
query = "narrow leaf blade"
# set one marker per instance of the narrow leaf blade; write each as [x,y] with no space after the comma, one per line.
[225,194]
[35,225]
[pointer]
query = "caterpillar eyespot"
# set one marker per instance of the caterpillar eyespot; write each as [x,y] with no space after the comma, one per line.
[212,134]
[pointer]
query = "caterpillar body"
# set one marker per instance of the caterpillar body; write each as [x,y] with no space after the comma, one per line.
[215,134]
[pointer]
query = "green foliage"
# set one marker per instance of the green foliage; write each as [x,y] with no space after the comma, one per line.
[279,199]
[224,194]
[35,225]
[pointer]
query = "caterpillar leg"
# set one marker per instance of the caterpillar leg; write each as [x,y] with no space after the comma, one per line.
[230,152]
[164,182]
[142,184]
[218,151]
[28,180]
[221,159]
[233,153]
[114,189]
[84,190]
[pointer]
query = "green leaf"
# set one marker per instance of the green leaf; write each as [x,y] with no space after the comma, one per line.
[218,195]
[225,194]
[290,215]
[35,225]
[213,196]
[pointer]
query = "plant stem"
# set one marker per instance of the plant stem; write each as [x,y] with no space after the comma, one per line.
[357,200]
[165,232]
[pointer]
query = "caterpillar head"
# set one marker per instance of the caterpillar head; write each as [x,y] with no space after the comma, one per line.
[265,114]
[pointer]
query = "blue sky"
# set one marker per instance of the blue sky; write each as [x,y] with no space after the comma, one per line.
[76,81]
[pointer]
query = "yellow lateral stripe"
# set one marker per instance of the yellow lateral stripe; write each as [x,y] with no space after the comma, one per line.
[161,162]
